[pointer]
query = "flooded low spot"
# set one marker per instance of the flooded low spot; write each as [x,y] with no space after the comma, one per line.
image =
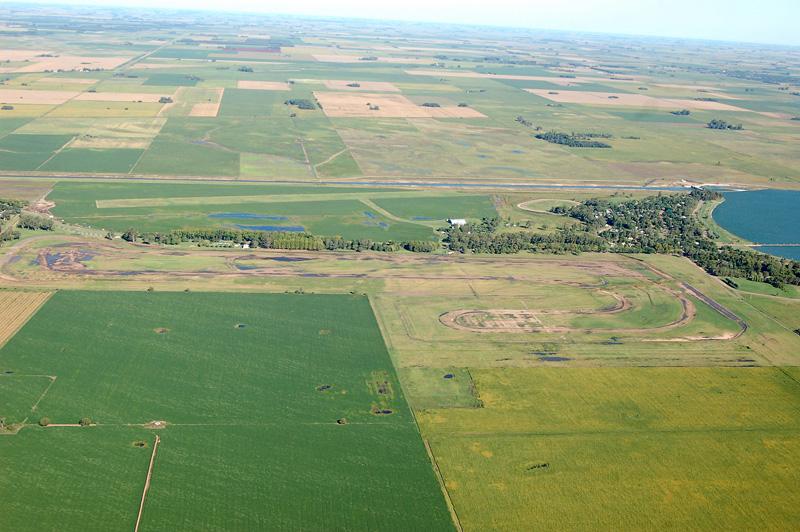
[162,331]
[240,325]
[369,214]
[483,156]
[449,376]
[516,151]
[9,372]
[323,388]
[382,412]
[274,228]
[246,215]
[140,444]
[553,359]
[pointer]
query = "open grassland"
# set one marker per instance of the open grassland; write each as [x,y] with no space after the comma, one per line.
[250,389]
[411,292]
[381,214]
[16,307]
[576,449]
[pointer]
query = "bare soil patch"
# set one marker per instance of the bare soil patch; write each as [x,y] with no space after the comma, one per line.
[327,58]
[204,109]
[366,105]
[625,99]
[264,85]
[12,96]
[75,81]
[68,62]
[120,97]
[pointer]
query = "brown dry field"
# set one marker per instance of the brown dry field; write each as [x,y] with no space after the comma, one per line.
[453,112]
[16,308]
[357,105]
[67,62]
[75,81]
[105,142]
[381,86]
[12,96]
[551,79]
[204,109]
[348,104]
[625,99]
[20,55]
[120,97]
[264,85]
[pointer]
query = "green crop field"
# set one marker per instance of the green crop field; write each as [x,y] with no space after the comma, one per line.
[254,386]
[577,449]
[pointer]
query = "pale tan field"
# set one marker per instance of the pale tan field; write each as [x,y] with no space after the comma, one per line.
[357,105]
[364,85]
[76,81]
[20,55]
[16,308]
[347,104]
[38,97]
[68,62]
[120,97]
[635,100]
[204,109]
[264,85]
[558,81]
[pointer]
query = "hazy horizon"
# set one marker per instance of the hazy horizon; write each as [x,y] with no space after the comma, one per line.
[768,22]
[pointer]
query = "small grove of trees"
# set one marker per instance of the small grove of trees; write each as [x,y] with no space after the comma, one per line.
[355,85]
[721,124]
[85,422]
[165,99]
[430,104]
[44,422]
[684,112]
[130,235]
[301,104]
[29,221]
[574,140]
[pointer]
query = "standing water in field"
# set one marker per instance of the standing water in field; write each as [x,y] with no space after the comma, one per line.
[763,217]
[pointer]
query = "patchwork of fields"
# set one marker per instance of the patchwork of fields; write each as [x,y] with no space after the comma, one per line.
[199,385]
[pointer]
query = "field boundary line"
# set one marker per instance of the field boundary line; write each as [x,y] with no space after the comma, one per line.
[442,485]
[147,483]
[52,381]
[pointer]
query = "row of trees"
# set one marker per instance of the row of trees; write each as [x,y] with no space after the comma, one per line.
[273,240]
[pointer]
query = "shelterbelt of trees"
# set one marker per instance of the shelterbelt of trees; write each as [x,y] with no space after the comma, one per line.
[654,224]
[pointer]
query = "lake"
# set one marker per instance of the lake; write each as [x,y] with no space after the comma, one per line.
[763,217]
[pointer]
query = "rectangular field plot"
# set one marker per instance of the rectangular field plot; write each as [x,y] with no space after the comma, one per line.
[72,479]
[281,411]
[622,449]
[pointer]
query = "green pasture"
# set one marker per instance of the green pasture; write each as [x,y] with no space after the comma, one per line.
[94,160]
[73,479]
[259,380]
[171,80]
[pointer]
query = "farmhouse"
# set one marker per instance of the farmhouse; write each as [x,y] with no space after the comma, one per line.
[457,221]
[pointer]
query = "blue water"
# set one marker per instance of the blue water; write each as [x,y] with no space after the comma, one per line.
[763,217]
[424,218]
[369,214]
[246,215]
[381,224]
[483,156]
[286,228]
[516,151]
[463,143]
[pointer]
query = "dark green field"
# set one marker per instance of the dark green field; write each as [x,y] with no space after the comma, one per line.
[251,387]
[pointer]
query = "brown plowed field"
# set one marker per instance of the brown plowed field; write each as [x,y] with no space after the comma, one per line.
[16,308]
